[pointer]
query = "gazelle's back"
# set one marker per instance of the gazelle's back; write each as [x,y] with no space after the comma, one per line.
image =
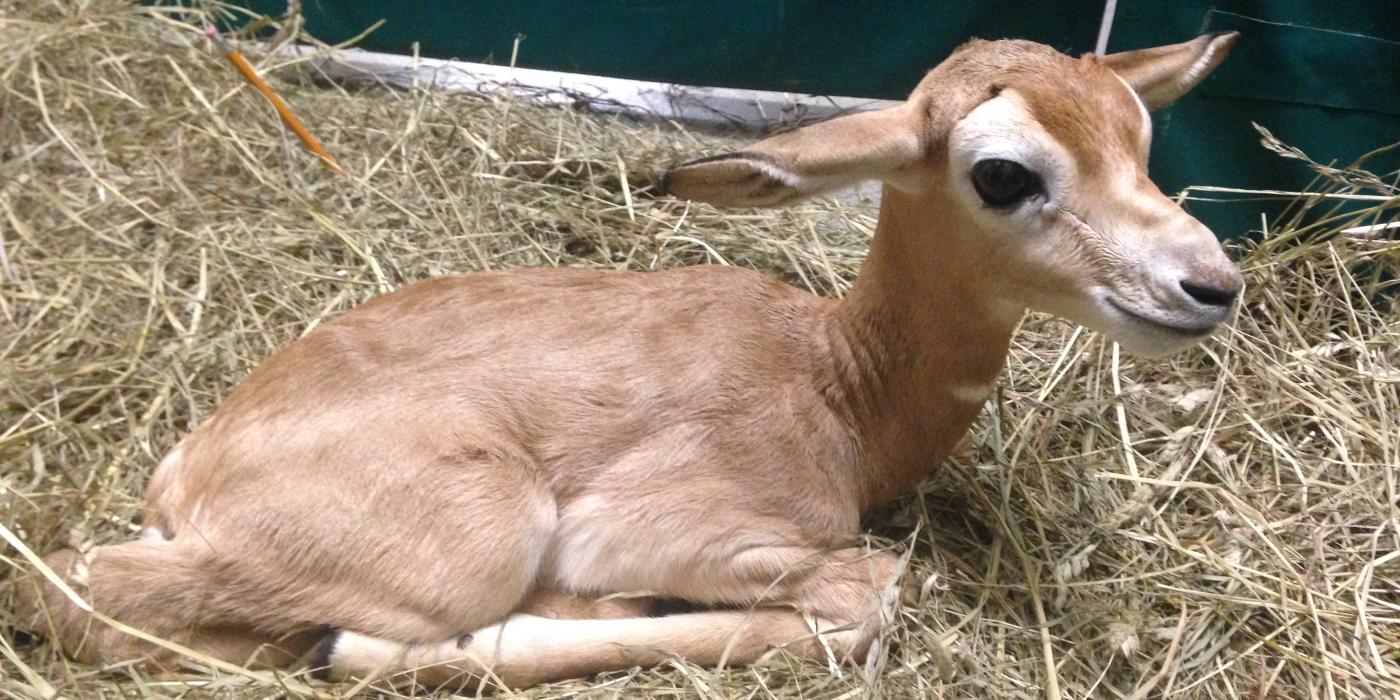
[573,367]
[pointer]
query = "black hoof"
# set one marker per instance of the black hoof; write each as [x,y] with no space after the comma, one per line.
[666,607]
[321,655]
[25,639]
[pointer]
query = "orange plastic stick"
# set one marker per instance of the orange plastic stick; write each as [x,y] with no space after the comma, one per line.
[288,118]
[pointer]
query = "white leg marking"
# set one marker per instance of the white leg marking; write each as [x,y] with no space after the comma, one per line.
[972,393]
[356,653]
[82,568]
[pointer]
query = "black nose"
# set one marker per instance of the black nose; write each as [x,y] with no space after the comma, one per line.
[1210,296]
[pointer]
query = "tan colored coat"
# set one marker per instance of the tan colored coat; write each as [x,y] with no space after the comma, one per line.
[448,478]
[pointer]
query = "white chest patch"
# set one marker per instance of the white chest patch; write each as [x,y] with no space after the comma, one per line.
[591,551]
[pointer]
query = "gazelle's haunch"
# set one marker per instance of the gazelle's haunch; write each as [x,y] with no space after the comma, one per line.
[456,478]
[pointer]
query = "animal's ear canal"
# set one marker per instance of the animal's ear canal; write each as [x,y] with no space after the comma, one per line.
[804,162]
[1162,74]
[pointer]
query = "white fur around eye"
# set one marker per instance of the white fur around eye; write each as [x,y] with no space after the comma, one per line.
[1003,128]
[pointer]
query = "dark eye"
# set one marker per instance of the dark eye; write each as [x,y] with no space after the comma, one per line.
[1004,183]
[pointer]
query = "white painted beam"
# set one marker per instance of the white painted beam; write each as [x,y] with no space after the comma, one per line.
[751,109]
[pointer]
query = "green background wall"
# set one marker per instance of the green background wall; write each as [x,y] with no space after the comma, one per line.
[1323,76]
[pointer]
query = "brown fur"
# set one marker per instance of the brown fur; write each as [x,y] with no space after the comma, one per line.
[488,455]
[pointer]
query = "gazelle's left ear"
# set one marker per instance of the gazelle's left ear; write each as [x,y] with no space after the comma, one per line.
[1162,74]
[809,161]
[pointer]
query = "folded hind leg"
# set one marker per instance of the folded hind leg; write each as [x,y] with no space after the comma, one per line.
[254,649]
[156,587]
[124,575]
[122,571]
[448,545]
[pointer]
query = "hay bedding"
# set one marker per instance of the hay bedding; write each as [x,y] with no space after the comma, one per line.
[1222,524]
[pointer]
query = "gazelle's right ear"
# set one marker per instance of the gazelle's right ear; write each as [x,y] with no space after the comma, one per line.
[1164,73]
[805,162]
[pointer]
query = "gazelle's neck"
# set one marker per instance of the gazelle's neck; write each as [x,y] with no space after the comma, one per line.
[919,343]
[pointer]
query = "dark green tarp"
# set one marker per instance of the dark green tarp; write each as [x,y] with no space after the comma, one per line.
[1323,76]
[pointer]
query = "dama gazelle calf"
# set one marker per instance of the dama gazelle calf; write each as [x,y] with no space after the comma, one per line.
[452,478]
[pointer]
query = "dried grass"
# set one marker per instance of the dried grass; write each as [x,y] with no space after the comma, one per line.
[1220,525]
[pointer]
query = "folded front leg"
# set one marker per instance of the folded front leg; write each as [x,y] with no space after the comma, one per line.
[831,606]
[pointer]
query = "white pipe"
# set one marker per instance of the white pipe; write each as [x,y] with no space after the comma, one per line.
[1109,7]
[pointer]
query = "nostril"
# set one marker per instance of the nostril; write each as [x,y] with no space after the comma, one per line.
[1210,296]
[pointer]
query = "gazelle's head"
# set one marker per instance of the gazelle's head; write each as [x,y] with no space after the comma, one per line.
[1031,167]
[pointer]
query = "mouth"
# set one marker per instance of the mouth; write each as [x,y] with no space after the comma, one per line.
[1179,331]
